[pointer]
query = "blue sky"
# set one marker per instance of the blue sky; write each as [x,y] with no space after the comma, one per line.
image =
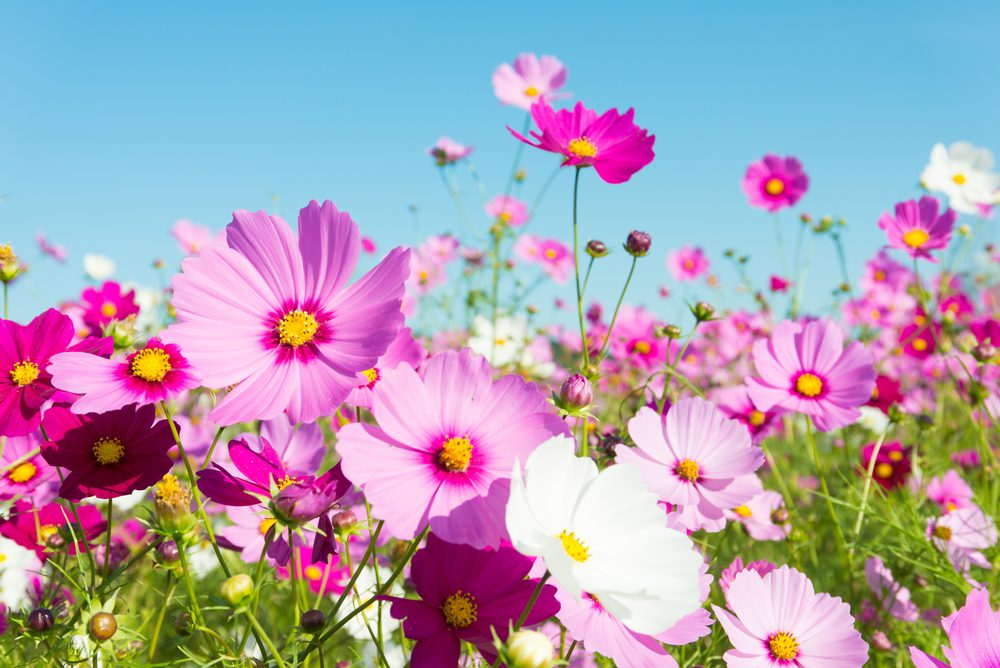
[118,119]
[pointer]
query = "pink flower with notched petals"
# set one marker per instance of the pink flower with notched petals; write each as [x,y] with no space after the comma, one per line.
[735,403]
[32,527]
[687,263]
[330,578]
[917,228]
[444,447]
[273,316]
[611,143]
[31,477]
[696,459]
[404,349]
[774,183]
[962,535]
[893,597]
[759,516]
[528,80]
[779,619]
[950,492]
[805,368]
[107,304]
[973,633]
[508,210]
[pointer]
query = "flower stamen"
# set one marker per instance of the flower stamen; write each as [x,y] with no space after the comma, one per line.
[460,610]
[297,328]
[455,454]
[24,373]
[151,364]
[575,549]
[108,451]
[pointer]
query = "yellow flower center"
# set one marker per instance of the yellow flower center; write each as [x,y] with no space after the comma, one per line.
[265,526]
[687,469]
[944,533]
[285,482]
[46,531]
[531,91]
[505,217]
[774,187]
[371,375]
[24,373]
[455,454]
[950,506]
[313,573]
[151,364]
[808,385]
[688,264]
[576,550]
[109,310]
[742,511]
[170,492]
[460,610]
[582,148]
[297,328]
[919,345]
[883,470]
[422,276]
[108,450]
[7,254]
[756,418]
[642,347]
[783,646]
[896,456]
[959,179]
[916,237]
[550,253]
[23,472]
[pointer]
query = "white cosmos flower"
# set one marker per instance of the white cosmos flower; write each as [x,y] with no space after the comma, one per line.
[603,534]
[964,173]
[98,267]
[17,564]
[501,346]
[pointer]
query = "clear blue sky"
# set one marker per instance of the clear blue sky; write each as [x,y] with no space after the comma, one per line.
[119,118]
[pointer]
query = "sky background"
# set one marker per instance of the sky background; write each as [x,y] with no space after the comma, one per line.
[118,119]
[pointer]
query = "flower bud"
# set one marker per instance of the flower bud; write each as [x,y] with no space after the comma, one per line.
[168,552]
[880,641]
[805,218]
[520,175]
[780,515]
[312,620]
[10,267]
[528,649]
[183,624]
[41,620]
[344,520]
[964,230]
[237,588]
[123,333]
[576,392]
[670,331]
[984,352]
[702,311]
[729,253]
[596,249]
[173,504]
[102,626]
[638,243]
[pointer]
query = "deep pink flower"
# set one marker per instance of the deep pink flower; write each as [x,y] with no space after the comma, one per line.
[320,575]
[272,315]
[885,394]
[805,368]
[774,183]
[445,446]
[54,251]
[508,210]
[107,455]
[530,79]
[32,478]
[404,349]
[687,263]
[779,619]
[973,633]
[892,466]
[33,528]
[107,304]
[153,373]
[779,284]
[25,351]
[950,492]
[466,594]
[447,151]
[917,228]
[611,143]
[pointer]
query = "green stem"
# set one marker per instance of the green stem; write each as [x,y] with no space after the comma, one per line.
[781,244]
[215,441]
[527,608]
[586,278]
[171,585]
[495,294]
[107,545]
[614,317]
[576,270]
[267,640]
[821,474]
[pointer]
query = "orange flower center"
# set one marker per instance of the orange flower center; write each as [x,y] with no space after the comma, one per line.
[688,469]
[916,237]
[774,187]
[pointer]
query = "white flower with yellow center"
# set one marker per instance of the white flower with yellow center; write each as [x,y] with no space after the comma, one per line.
[603,533]
[501,345]
[17,564]
[964,173]
[98,267]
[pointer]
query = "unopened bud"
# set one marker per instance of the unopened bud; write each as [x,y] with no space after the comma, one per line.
[702,311]
[805,218]
[344,520]
[638,243]
[528,649]
[596,249]
[40,620]
[237,588]
[312,620]
[183,624]
[173,504]
[102,626]
[520,175]
[984,352]
[671,331]
[168,552]
[576,392]
[780,515]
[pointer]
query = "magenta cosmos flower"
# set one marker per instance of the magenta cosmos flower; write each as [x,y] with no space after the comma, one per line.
[41,528]
[466,594]
[528,80]
[272,316]
[108,455]
[508,210]
[155,372]
[30,477]
[104,305]
[775,183]
[917,228]
[404,349]
[973,633]
[780,619]
[696,459]
[950,491]
[805,368]
[25,351]
[611,143]
[687,263]
[445,446]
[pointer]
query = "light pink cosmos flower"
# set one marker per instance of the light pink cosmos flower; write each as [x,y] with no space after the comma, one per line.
[760,518]
[272,315]
[805,368]
[529,79]
[950,492]
[404,349]
[962,535]
[611,143]
[31,477]
[193,238]
[780,619]
[891,595]
[735,403]
[508,210]
[973,633]
[737,566]
[54,251]
[447,151]
[444,447]
[426,272]
[687,263]
[250,525]
[696,459]
[553,256]
[917,228]
[774,183]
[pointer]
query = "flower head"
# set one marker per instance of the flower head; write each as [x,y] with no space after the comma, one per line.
[962,535]
[107,304]
[950,492]
[687,263]
[552,255]
[507,210]
[774,183]
[52,525]
[55,251]
[917,228]
[892,465]
[964,173]
[894,597]
[973,633]
[528,80]
[192,238]
[26,474]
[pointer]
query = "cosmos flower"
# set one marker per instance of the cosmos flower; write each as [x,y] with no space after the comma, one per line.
[605,534]
[780,619]
[687,263]
[950,492]
[774,183]
[17,565]
[54,251]
[404,349]
[528,80]
[973,633]
[31,477]
[465,594]
[250,525]
[49,527]
[735,403]
[444,447]
[553,256]
[324,576]
[805,368]
[737,566]
[779,284]
[153,373]
[98,267]
[192,238]
[507,210]
[892,596]
[964,173]
[885,393]
[447,151]
[109,454]
[107,304]
[696,459]
[917,228]
[503,345]
[611,143]
[892,465]
[962,534]
[764,516]
[272,316]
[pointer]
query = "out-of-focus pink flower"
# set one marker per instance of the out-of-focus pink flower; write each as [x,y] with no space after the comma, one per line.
[447,151]
[553,256]
[104,305]
[508,210]
[193,238]
[779,284]
[687,263]
[893,596]
[774,183]
[917,228]
[54,251]
[528,80]
[368,245]
[892,465]
[973,633]
[950,492]
[761,516]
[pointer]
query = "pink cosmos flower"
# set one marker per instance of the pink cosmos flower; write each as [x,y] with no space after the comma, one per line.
[735,403]
[445,446]
[917,228]
[530,79]
[774,183]
[780,619]
[320,575]
[107,304]
[611,143]
[25,351]
[687,263]
[404,349]
[553,256]
[805,368]
[465,595]
[950,492]
[973,633]
[892,596]
[696,459]
[962,534]
[54,251]
[426,272]
[760,516]
[154,373]
[271,314]
[779,284]
[447,151]
[108,455]
[33,527]
[250,525]
[508,210]
[736,567]
[194,238]
[31,478]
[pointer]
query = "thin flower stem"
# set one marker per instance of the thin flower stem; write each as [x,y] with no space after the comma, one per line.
[586,278]
[267,640]
[376,639]
[821,473]
[864,495]
[199,619]
[672,368]
[215,441]
[294,570]
[171,585]
[781,244]
[576,270]
[495,294]
[527,608]
[20,460]
[541,193]
[614,317]
[107,544]
[569,652]
[268,537]
[518,152]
